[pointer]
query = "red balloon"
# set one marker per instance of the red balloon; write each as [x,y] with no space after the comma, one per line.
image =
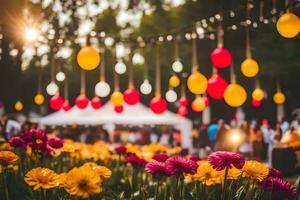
[96,103]
[158,105]
[182,111]
[119,109]
[221,58]
[82,101]
[255,103]
[56,102]
[183,101]
[216,87]
[66,106]
[131,96]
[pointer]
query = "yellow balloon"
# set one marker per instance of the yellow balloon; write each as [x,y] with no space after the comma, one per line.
[249,67]
[198,105]
[174,81]
[279,98]
[235,95]
[117,98]
[197,83]
[288,25]
[258,94]
[39,99]
[88,58]
[19,106]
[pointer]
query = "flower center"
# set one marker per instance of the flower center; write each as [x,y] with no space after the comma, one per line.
[83,184]
[39,141]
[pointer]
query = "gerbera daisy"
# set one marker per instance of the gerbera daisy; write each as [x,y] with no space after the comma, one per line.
[8,157]
[280,188]
[42,178]
[255,170]
[180,165]
[157,169]
[160,157]
[220,160]
[102,171]
[135,160]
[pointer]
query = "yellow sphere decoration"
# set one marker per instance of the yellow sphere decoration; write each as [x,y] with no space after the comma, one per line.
[88,58]
[198,105]
[39,99]
[235,95]
[279,98]
[258,94]
[174,81]
[249,67]
[197,83]
[288,25]
[19,106]
[117,98]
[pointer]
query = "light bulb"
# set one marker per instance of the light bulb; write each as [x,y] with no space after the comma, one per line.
[171,96]
[109,41]
[120,67]
[52,88]
[138,59]
[177,66]
[60,76]
[146,87]
[31,34]
[102,89]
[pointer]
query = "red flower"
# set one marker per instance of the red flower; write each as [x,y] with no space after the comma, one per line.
[35,138]
[56,143]
[221,159]
[158,168]
[194,158]
[280,188]
[16,142]
[120,149]
[274,173]
[180,165]
[160,157]
[135,160]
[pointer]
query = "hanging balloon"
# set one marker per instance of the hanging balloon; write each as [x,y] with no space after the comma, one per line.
[177,66]
[249,67]
[39,99]
[235,95]
[82,101]
[96,103]
[288,25]
[131,96]
[117,98]
[183,101]
[258,94]
[197,83]
[158,105]
[279,98]
[102,89]
[120,67]
[66,106]
[216,87]
[119,109]
[256,103]
[198,105]
[171,96]
[182,111]
[88,58]
[18,106]
[174,81]
[52,88]
[56,102]
[221,57]
[146,87]
[60,76]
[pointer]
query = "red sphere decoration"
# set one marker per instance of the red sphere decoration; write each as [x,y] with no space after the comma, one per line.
[216,87]
[119,109]
[96,103]
[66,106]
[255,103]
[183,111]
[131,96]
[183,101]
[158,105]
[56,102]
[221,57]
[82,101]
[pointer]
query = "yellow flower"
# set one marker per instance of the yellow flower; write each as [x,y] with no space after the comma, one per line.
[6,146]
[67,148]
[62,179]
[102,171]
[174,151]
[255,170]
[234,173]
[82,182]
[42,178]
[8,157]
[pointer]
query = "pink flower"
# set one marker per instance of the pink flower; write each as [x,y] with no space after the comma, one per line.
[221,159]
[135,160]
[280,188]
[274,173]
[35,138]
[194,158]
[157,168]
[120,149]
[56,143]
[180,165]
[16,142]
[160,157]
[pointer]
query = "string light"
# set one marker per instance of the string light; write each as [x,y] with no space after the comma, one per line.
[171,96]
[146,87]
[31,34]
[120,67]
[52,88]
[60,76]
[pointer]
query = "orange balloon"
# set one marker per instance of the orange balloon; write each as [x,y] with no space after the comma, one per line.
[88,58]
[198,105]
[235,95]
[249,67]
[258,94]
[197,83]
[288,25]
[117,98]
[279,98]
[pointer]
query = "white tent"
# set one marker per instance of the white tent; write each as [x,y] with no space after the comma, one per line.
[132,115]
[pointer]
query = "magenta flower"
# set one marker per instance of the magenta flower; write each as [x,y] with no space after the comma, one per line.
[274,173]
[56,143]
[120,149]
[16,142]
[160,157]
[194,158]
[157,169]
[180,165]
[221,159]
[280,188]
[135,160]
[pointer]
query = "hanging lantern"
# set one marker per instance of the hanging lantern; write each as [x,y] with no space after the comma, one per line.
[88,58]
[197,83]
[256,103]
[18,106]
[52,88]
[146,87]
[177,66]
[235,95]
[66,106]
[258,94]
[39,99]
[221,57]
[198,105]
[182,111]
[171,96]
[279,98]
[96,103]
[183,101]
[249,67]
[288,25]
[174,81]
[117,98]
[120,67]
[131,96]
[60,76]
[56,102]
[119,109]
[102,89]
[216,86]
[158,105]
[82,101]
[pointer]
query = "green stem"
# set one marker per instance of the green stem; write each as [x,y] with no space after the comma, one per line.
[225,184]
[5,186]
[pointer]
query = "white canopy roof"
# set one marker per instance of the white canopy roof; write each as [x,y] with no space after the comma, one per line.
[132,115]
